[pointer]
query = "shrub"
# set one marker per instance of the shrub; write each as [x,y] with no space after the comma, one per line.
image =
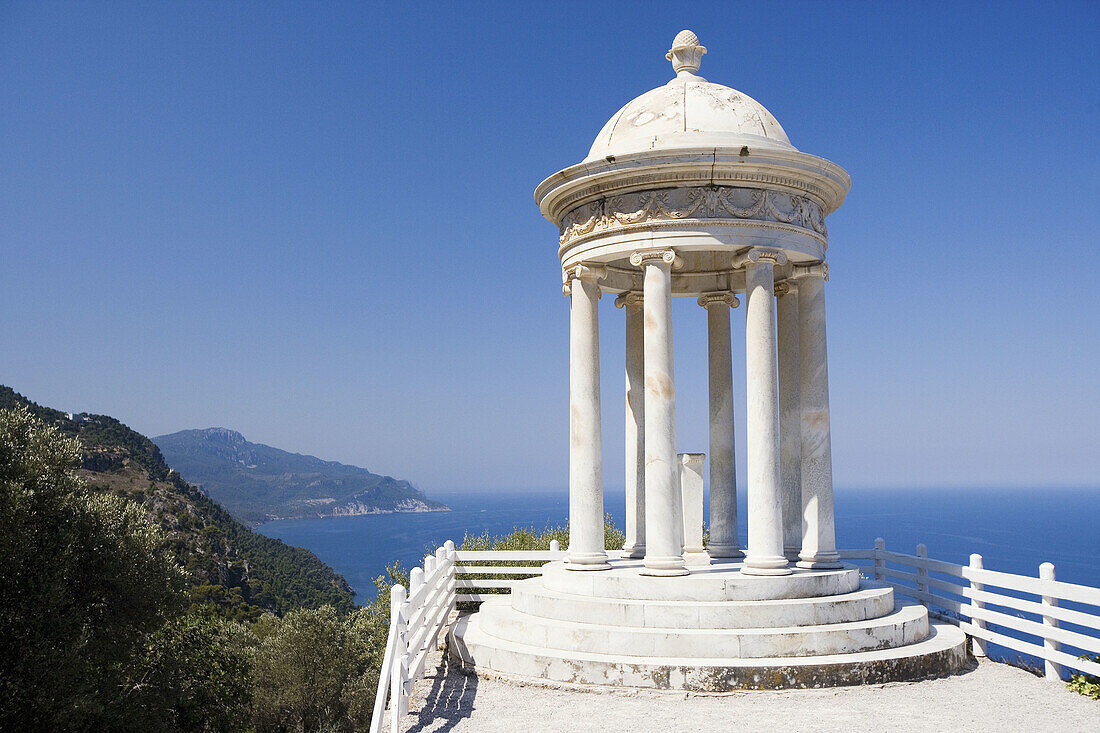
[527,538]
[318,669]
[1086,684]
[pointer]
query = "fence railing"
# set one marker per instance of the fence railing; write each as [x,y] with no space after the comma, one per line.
[416,618]
[1058,615]
[982,602]
[522,564]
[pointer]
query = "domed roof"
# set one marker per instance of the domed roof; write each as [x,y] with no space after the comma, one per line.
[689,111]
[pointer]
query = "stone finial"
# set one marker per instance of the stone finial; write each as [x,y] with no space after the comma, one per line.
[686,53]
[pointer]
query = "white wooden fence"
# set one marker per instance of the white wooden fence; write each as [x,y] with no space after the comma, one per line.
[475,574]
[981,601]
[977,600]
[416,618]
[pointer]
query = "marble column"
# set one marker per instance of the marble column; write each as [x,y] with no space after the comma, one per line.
[819,533]
[723,468]
[765,545]
[663,513]
[586,541]
[631,303]
[790,420]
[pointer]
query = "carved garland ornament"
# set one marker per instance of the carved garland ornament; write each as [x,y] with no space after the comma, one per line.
[706,202]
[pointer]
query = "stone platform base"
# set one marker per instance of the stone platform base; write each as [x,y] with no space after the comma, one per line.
[703,632]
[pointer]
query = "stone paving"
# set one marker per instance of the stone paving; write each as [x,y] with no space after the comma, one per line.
[987,697]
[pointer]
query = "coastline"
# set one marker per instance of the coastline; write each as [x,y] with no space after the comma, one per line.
[355,513]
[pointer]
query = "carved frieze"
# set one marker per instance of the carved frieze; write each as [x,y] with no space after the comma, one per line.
[701,202]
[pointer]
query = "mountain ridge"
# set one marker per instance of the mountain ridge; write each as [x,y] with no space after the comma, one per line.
[258,482]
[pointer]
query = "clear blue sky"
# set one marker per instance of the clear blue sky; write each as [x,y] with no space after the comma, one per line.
[314,223]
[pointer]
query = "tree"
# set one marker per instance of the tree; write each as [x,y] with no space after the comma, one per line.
[303,664]
[318,669]
[86,580]
[195,676]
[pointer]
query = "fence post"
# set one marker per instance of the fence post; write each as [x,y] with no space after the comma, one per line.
[1053,671]
[452,584]
[399,704]
[978,646]
[555,546]
[922,573]
[880,562]
[446,599]
[452,578]
[438,563]
[440,559]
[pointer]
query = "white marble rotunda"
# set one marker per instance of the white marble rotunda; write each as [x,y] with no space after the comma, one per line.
[694,190]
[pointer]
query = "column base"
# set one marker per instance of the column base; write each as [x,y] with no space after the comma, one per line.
[726,551]
[635,551]
[766,565]
[664,566]
[587,561]
[793,554]
[820,561]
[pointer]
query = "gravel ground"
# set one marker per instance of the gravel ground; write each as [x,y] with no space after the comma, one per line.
[990,697]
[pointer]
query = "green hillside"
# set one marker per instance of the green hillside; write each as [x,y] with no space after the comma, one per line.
[240,571]
[256,482]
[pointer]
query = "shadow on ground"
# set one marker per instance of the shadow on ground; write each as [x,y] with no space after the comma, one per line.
[449,701]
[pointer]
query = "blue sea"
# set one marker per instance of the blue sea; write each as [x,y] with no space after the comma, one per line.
[1013,529]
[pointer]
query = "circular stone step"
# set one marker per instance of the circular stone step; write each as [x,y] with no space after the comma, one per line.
[716,582]
[907,625]
[942,652]
[870,601]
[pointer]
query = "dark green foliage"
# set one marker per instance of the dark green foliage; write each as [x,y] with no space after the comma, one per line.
[317,669]
[231,568]
[195,675]
[86,580]
[256,482]
[306,664]
[1086,684]
[101,629]
[283,577]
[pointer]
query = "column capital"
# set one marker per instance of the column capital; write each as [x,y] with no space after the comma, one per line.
[631,299]
[786,287]
[706,300]
[581,271]
[760,255]
[645,257]
[821,269]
